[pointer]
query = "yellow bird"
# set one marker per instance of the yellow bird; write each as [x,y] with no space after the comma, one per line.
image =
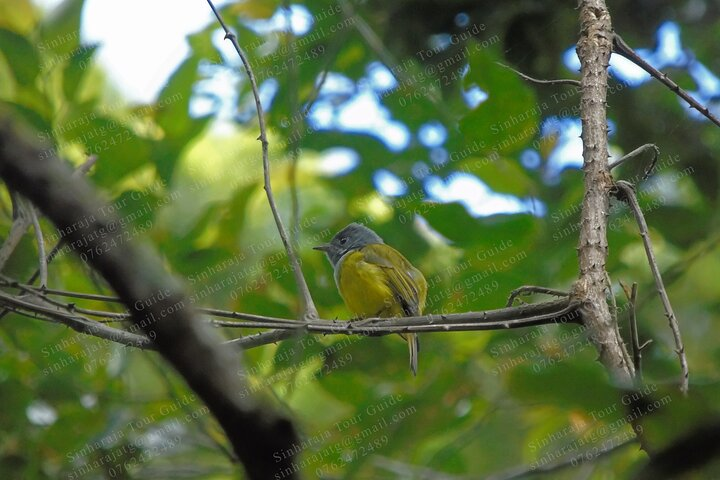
[375,280]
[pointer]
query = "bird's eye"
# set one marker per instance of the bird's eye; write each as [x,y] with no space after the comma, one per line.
[343,240]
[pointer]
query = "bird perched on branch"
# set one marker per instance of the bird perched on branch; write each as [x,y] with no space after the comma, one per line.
[375,280]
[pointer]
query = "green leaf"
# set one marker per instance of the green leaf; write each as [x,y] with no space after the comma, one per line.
[76,69]
[173,116]
[500,174]
[21,56]
[60,32]
[574,383]
[118,148]
[34,118]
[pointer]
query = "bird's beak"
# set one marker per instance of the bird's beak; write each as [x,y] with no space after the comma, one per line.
[322,248]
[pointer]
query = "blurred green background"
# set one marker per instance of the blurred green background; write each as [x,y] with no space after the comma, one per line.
[184,171]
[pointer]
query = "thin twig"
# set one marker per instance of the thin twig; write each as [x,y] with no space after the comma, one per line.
[622,48]
[635,153]
[626,192]
[42,260]
[525,289]
[82,170]
[308,306]
[8,282]
[71,307]
[78,323]
[376,45]
[537,314]
[85,167]
[20,224]
[312,98]
[331,55]
[561,464]
[404,470]
[296,121]
[635,340]
[557,311]
[559,81]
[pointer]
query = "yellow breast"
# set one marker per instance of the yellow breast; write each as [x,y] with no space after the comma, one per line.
[364,289]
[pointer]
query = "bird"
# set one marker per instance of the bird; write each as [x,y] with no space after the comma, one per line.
[375,280]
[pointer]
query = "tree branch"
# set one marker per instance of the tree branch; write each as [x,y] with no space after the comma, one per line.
[561,464]
[593,48]
[558,311]
[622,48]
[308,306]
[525,289]
[635,153]
[42,259]
[626,192]
[635,343]
[157,303]
[19,226]
[81,324]
[559,81]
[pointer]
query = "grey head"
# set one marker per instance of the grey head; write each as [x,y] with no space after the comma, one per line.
[352,237]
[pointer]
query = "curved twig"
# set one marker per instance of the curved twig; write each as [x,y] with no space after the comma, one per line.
[533,289]
[626,193]
[19,226]
[635,153]
[558,81]
[622,48]
[308,306]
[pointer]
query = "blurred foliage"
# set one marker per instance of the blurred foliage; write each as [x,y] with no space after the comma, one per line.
[79,407]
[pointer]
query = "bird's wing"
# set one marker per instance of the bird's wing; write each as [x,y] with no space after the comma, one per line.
[406,282]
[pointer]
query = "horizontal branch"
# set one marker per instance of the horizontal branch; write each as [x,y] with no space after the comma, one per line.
[76,322]
[552,312]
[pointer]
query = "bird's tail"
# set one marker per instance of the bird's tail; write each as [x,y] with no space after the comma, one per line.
[414,347]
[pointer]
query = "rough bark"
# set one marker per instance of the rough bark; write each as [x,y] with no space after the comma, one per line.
[594,48]
[156,300]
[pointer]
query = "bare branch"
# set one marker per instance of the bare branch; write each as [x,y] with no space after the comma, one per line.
[525,289]
[557,311]
[635,343]
[561,464]
[85,167]
[82,170]
[308,306]
[622,48]
[559,81]
[626,193]
[312,98]
[404,470]
[296,121]
[42,260]
[81,324]
[20,224]
[593,48]
[386,57]
[636,153]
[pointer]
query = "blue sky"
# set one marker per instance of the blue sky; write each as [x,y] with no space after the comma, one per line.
[142,43]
